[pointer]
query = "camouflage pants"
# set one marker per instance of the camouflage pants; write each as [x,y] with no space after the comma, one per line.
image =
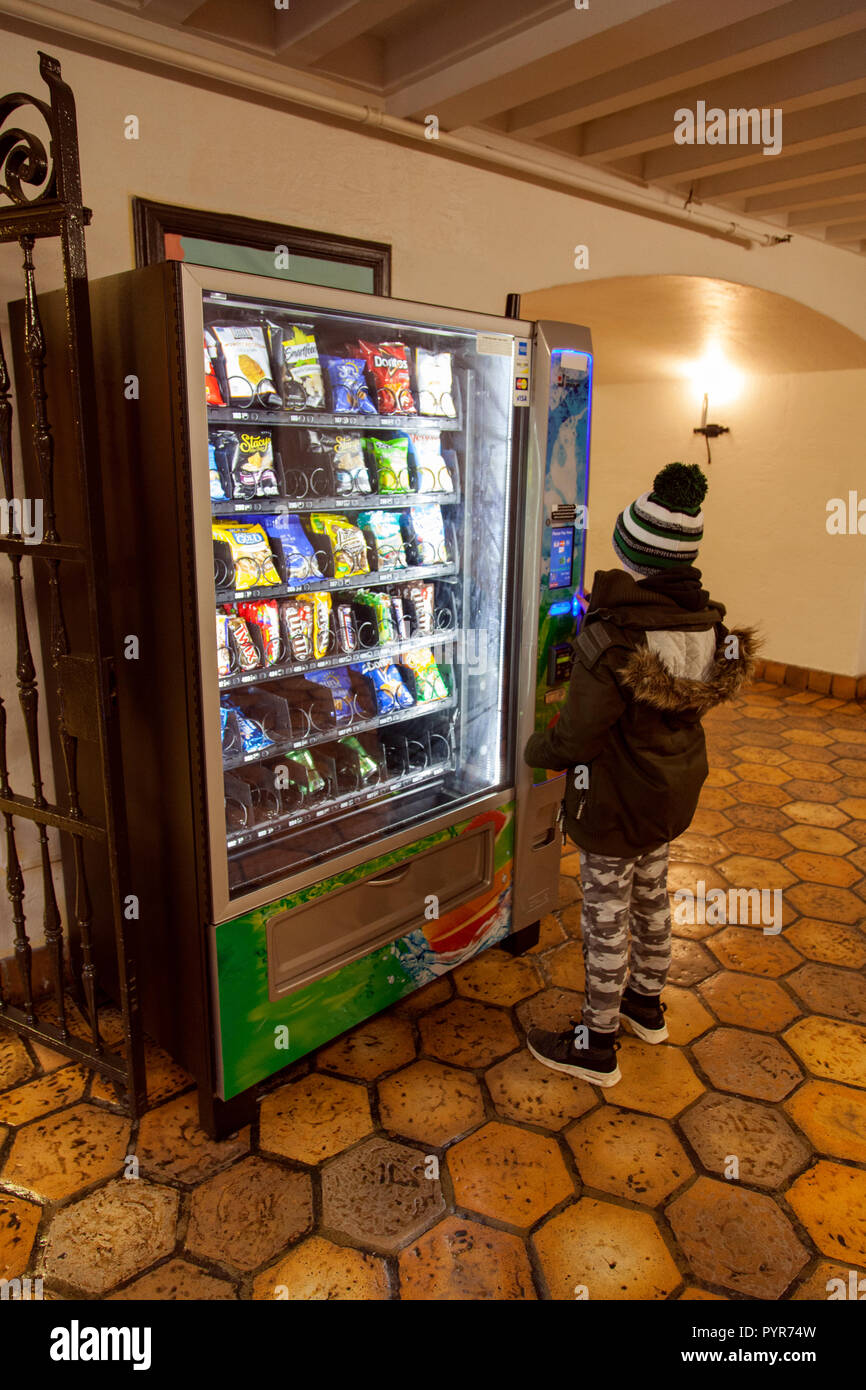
[622,899]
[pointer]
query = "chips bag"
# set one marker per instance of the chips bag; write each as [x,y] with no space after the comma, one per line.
[299,557]
[299,375]
[253,738]
[383,613]
[428,534]
[433,375]
[429,684]
[254,472]
[340,687]
[315,780]
[391,457]
[388,685]
[212,392]
[384,527]
[432,472]
[217,491]
[347,543]
[253,561]
[388,369]
[349,394]
[247,365]
[368,767]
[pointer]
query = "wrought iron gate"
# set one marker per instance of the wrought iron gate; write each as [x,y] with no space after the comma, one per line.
[40,198]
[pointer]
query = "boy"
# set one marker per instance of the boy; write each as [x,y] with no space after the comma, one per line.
[652,657]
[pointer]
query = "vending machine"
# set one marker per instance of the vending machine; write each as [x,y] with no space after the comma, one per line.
[346,542]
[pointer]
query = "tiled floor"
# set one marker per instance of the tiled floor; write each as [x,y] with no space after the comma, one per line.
[426,1155]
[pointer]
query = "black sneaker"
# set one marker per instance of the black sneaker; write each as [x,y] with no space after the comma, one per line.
[595,1063]
[644,1014]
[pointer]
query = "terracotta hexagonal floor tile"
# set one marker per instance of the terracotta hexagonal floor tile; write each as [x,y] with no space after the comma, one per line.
[823,868]
[853,735]
[749,1001]
[758,794]
[467,1034]
[15,1065]
[818,839]
[724,1128]
[694,848]
[177,1281]
[686,1016]
[495,977]
[379,1195]
[720,777]
[66,1152]
[763,844]
[851,767]
[688,874]
[830,1281]
[570,918]
[716,799]
[510,1174]
[748,871]
[830,1201]
[656,1078]
[813,736]
[244,1216]
[753,753]
[804,789]
[597,1250]
[830,904]
[164,1078]
[737,1239]
[690,962]
[424,999]
[707,822]
[382,1044]
[629,1155]
[552,1008]
[524,1090]
[811,771]
[431,1103]
[550,933]
[569,891]
[749,950]
[814,813]
[758,817]
[318,1270]
[762,773]
[172,1144]
[747,1064]
[833,1117]
[564,967]
[314,1118]
[830,1049]
[570,864]
[113,1233]
[46,1093]
[825,989]
[19,1222]
[827,941]
[461,1260]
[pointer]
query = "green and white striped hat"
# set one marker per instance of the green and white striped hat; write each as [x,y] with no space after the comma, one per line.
[663,529]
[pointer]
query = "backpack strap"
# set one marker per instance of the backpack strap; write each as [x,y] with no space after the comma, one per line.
[594,639]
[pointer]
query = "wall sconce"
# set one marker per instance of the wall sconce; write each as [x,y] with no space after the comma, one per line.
[709,431]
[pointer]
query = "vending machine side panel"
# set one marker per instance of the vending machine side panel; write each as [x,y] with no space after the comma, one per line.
[556,515]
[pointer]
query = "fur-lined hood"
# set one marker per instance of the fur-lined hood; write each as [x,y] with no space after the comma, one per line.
[650,681]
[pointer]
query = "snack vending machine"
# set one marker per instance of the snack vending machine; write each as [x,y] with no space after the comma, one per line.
[346,540]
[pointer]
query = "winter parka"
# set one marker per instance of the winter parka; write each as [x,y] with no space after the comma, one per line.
[652,657]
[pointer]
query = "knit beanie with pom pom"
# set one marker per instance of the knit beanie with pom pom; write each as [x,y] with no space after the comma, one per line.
[662,530]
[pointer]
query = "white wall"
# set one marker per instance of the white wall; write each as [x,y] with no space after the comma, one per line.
[795,442]
[459,235]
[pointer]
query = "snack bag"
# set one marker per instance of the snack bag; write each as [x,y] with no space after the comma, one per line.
[432,472]
[429,684]
[224,651]
[253,561]
[347,542]
[368,767]
[350,468]
[433,375]
[381,606]
[212,392]
[300,559]
[349,394]
[388,368]
[392,463]
[293,349]
[422,598]
[388,685]
[428,534]
[297,622]
[338,683]
[217,491]
[347,633]
[253,738]
[321,601]
[401,622]
[385,530]
[254,466]
[265,614]
[248,656]
[247,365]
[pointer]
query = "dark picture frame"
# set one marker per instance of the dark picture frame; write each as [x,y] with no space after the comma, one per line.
[152,222]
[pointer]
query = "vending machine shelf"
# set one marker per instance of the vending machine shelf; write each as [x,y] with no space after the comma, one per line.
[362,726]
[352,581]
[348,801]
[386,649]
[323,419]
[348,502]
